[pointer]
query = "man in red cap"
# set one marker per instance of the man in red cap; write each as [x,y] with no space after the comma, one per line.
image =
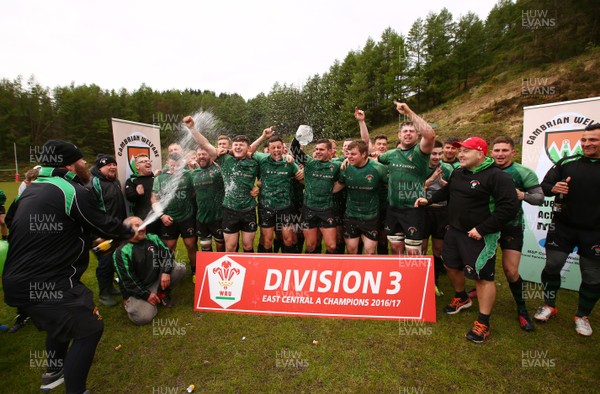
[481,200]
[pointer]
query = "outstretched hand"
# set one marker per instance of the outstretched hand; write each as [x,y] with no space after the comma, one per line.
[403,108]
[189,122]
[359,114]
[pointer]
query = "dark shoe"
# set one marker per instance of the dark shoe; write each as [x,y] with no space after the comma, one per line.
[478,333]
[105,297]
[20,322]
[51,380]
[456,305]
[525,322]
[114,291]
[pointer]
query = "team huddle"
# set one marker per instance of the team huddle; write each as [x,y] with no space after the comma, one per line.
[371,200]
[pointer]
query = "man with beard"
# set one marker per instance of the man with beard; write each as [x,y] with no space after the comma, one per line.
[107,188]
[239,175]
[481,201]
[210,191]
[408,168]
[50,234]
[138,191]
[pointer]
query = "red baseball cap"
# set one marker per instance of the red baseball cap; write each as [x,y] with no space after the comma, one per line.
[473,143]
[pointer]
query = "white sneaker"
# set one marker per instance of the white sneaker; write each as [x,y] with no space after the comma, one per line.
[582,326]
[544,313]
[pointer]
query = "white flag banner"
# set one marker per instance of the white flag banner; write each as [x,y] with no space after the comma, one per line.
[131,139]
[550,132]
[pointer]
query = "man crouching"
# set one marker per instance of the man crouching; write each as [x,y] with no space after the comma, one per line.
[147,270]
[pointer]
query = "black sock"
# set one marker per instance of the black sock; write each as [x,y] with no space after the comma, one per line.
[551,284]
[261,248]
[588,297]
[288,249]
[79,360]
[249,251]
[438,264]
[462,295]
[328,252]
[340,248]
[516,288]
[484,319]
[382,249]
[278,245]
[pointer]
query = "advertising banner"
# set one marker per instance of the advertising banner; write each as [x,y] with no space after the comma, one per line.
[335,286]
[550,132]
[131,139]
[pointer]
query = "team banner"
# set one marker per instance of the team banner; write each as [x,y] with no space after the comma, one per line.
[335,286]
[551,132]
[131,139]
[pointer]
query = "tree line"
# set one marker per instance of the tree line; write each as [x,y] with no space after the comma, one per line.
[439,58]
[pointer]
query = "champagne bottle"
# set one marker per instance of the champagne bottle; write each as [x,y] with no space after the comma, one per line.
[103,246]
[560,202]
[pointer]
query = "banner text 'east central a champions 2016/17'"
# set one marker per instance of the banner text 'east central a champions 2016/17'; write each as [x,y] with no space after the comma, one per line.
[354,287]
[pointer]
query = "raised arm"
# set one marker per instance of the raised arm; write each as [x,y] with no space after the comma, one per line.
[423,128]
[199,138]
[266,134]
[364,131]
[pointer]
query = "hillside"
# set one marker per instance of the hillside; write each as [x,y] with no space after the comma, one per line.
[495,106]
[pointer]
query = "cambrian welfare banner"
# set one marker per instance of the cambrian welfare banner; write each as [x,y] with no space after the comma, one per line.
[335,286]
[550,132]
[130,140]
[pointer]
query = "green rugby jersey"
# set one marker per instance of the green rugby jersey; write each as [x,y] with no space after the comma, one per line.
[276,178]
[408,170]
[319,177]
[363,185]
[524,179]
[238,177]
[210,191]
[181,206]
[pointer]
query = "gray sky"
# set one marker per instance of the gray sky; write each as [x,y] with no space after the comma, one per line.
[225,46]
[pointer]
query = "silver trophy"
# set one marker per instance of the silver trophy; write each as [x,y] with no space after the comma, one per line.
[304,135]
